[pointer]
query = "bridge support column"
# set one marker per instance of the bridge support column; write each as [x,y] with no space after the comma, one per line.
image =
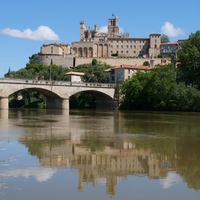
[57,103]
[4,103]
[65,104]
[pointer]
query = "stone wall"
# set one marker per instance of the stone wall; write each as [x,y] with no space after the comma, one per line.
[119,61]
[71,61]
[60,60]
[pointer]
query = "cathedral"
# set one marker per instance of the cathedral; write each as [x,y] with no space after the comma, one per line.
[96,44]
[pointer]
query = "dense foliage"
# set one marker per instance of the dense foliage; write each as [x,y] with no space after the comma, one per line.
[164,38]
[188,67]
[157,90]
[40,71]
[94,72]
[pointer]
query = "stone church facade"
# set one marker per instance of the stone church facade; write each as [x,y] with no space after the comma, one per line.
[95,44]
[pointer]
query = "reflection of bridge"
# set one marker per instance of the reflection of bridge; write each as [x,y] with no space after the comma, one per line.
[57,93]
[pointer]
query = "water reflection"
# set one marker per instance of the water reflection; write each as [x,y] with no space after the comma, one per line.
[108,146]
[40,174]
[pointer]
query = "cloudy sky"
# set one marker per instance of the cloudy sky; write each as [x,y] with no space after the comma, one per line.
[26,25]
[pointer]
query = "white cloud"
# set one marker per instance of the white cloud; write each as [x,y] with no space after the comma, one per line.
[171,179]
[104,29]
[171,31]
[41,33]
[41,175]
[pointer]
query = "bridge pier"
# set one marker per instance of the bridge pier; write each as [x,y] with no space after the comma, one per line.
[57,103]
[3,103]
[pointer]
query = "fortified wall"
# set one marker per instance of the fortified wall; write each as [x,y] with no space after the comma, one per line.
[71,61]
[120,61]
[60,60]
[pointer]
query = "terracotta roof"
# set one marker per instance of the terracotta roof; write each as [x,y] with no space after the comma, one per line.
[125,66]
[169,43]
[76,73]
[56,44]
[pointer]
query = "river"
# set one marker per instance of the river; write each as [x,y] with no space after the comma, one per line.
[94,154]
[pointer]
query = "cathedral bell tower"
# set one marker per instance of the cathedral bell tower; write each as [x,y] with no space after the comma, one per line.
[82,31]
[113,27]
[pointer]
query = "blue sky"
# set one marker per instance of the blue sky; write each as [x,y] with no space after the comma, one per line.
[27,24]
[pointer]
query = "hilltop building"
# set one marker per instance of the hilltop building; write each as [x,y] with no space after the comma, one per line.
[119,74]
[55,49]
[111,47]
[170,47]
[97,44]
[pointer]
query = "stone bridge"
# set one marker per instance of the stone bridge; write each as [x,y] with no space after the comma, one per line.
[57,93]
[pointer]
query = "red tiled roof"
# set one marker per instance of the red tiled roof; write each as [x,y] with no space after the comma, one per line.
[126,66]
[76,73]
[56,44]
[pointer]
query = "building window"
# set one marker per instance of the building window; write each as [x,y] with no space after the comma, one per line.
[111,52]
[134,46]
[134,51]
[127,46]
[121,51]
[117,46]
[51,49]
[131,46]
[126,51]
[122,41]
[130,41]
[122,46]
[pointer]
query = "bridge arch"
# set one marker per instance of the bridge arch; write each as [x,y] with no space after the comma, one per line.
[57,93]
[102,100]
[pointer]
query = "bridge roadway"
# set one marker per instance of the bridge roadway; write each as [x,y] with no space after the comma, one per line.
[57,93]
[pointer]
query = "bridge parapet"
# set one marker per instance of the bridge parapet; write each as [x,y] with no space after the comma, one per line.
[56,83]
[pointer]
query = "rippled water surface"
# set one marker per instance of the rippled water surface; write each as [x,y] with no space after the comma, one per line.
[51,154]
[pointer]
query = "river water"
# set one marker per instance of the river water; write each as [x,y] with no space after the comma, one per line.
[91,154]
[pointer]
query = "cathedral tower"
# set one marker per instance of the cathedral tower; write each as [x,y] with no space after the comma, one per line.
[82,30]
[113,27]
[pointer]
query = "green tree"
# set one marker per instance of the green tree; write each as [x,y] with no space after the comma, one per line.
[188,69]
[94,73]
[133,92]
[157,90]
[94,61]
[146,63]
[164,38]
[82,100]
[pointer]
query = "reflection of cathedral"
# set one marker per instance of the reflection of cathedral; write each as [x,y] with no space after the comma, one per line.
[109,164]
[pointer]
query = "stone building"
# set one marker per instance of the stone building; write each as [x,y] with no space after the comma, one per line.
[171,47]
[55,49]
[119,74]
[55,53]
[95,44]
